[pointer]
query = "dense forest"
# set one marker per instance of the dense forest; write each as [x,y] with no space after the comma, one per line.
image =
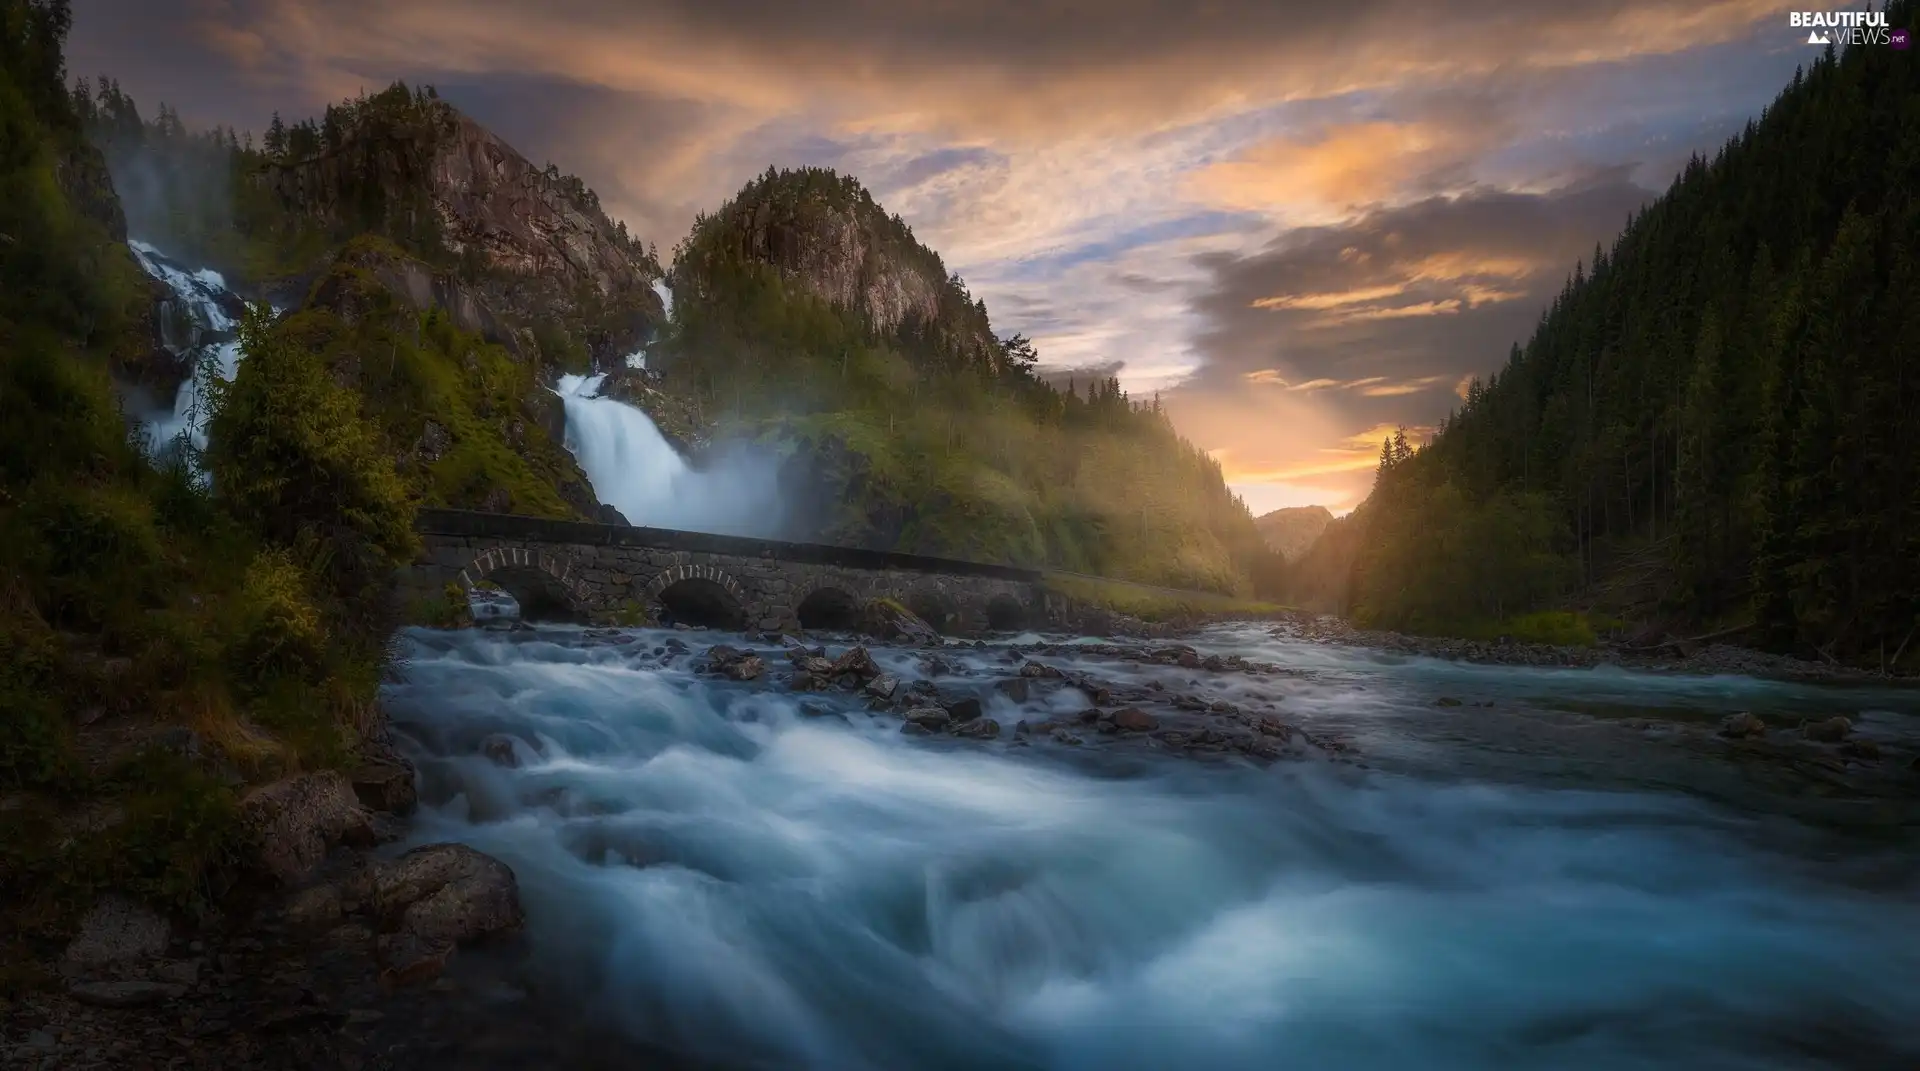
[1716,425]
[160,647]
[936,436]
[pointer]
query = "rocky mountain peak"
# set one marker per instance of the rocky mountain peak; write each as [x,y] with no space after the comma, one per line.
[1290,532]
[826,232]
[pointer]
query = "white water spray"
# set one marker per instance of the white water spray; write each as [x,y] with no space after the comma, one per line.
[200,294]
[635,470]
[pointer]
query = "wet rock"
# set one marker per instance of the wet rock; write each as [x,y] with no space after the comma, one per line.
[435,898]
[936,667]
[1036,669]
[1827,730]
[1014,688]
[1446,701]
[296,821]
[964,709]
[883,686]
[1742,726]
[1274,727]
[1134,720]
[116,931]
[1091,715]
[891,621]
[979,729]
[769,624]
[855,661]
[386,786]
[931,719]
[744,669]
[132,993]
[1861,749]
[499,749]
[1061,736]
[1221,706]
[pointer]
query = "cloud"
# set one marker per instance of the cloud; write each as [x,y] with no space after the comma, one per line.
[1298,220]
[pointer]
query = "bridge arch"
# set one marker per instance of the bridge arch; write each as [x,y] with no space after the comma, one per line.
[542,583]
[700,595]
[830,606]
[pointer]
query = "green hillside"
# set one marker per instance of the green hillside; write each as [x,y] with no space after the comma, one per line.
[1717,422]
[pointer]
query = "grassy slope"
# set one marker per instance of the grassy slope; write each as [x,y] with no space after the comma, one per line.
[932,453]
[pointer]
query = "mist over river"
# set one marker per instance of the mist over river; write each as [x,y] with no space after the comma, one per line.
[1556,869]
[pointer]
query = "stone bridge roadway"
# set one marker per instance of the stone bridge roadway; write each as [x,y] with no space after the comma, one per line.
[598,572]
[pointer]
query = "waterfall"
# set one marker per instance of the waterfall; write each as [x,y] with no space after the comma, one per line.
[205,341]
[635,470]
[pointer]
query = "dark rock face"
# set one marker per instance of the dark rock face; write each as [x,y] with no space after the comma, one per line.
[540,241]
[1828,730]
[295,822]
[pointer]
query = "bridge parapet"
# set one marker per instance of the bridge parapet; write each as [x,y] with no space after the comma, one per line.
[601,571]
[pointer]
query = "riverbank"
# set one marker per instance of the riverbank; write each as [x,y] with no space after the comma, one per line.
[1705,658]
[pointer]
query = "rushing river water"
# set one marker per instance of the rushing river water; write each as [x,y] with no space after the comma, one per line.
[764,878]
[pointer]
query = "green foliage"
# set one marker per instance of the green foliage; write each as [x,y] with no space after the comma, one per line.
[131,599]
[928,452]
[1718,412]
[291,454]
[448,610]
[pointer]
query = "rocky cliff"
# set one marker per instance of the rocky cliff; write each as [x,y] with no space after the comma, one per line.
[824,232]
[1289,532]
[534,244]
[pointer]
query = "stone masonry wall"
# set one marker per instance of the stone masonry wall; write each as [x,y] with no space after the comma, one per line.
[601,581]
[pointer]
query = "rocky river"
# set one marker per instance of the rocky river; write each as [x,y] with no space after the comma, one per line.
[1238,848]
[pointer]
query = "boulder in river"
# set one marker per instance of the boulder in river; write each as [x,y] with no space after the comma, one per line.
[1134,720]
[1014,688]
[889,620]
[979,729]
[929,719]
[435,898]
[1827,730]
[1742,726]
[964,709]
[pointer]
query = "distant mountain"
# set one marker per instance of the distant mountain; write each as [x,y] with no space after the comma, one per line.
[1289,532]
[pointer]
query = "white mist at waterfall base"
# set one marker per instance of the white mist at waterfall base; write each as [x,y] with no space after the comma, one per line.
[208,335]
[635,470]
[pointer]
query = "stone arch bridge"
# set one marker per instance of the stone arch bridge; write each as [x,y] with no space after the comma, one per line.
[600,572]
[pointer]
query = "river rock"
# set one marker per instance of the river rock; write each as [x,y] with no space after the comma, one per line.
[745,669]
[1446,701]
[116,931]
[883,686]
[296,821]
[315,908]
[1134,720]
[891,621]
[386,785]
[1014,688]
[964,709]
[930,719]
[1827,730]
[1742,726]
[1036,669]
[857,662]
[979,729]
[435,898]
[499,749]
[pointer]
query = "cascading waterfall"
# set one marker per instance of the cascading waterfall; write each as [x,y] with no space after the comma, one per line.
[199,331]
[635,470]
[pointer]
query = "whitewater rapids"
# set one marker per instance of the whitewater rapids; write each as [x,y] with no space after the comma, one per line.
[766,879]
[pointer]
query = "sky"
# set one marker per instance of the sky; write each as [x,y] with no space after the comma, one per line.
[1301,224]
